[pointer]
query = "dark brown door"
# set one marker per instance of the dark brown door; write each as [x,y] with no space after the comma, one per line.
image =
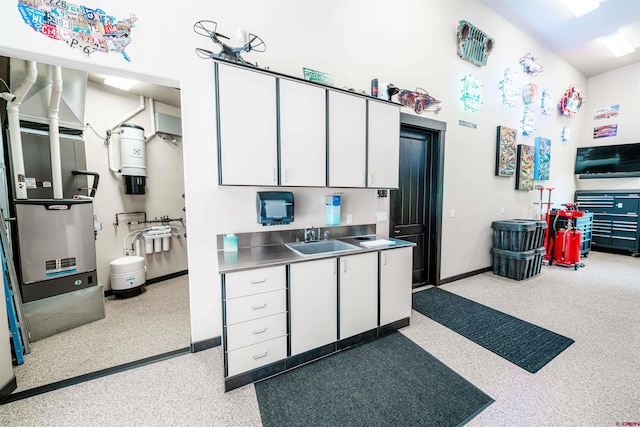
[409,204]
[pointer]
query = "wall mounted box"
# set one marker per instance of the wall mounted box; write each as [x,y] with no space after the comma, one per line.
[274,207]
[168,125]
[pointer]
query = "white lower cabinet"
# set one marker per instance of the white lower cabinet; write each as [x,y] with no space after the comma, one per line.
[255,326]
[330,299]
[314,307]
[358,294]
[396,267]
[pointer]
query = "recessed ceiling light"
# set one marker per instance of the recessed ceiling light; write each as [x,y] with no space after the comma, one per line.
[120,83]
[617,44]
[581,7]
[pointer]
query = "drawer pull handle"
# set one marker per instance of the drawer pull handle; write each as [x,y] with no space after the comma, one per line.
[259,356]
[255,282]
[258,307]
[259,331]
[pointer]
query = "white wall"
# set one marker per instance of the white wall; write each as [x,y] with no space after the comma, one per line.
[164,184]
[621,86]
[405,42]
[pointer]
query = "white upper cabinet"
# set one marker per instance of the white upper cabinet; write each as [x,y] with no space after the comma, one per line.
[247,127]
[303,134]
[384,145]
[347,140]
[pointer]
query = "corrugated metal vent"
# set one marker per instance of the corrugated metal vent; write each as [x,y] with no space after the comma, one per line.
[474,45]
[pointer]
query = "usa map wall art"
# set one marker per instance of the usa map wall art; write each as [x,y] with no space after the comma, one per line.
[78,26]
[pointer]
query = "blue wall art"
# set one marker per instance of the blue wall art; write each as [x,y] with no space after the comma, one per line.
[542,158]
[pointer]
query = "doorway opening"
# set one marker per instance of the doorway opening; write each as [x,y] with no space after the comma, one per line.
[156,323]
[415,208]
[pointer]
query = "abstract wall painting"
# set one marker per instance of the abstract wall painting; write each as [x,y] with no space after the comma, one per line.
[506,151]
[542,158]
[525,168]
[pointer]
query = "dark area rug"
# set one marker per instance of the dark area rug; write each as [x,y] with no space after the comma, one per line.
[522,343]
[387,382]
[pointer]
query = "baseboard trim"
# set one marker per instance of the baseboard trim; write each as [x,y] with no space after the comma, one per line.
[205,344]
[9,387]
[167,277]
[464,275]
[91,376]
[109,292]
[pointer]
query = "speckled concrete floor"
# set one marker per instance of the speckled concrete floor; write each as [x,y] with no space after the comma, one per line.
[592,383]
[154,322]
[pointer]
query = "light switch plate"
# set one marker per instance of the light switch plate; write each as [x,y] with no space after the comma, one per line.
[382,216]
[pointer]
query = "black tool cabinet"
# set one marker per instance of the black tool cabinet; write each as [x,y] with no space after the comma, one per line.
[616,216]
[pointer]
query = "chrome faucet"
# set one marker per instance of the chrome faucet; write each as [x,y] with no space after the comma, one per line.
[325,236]
[309,234]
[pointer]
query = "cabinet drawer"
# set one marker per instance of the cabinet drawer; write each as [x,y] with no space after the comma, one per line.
[255,331]
[257,355]
[255,306]
[255,281]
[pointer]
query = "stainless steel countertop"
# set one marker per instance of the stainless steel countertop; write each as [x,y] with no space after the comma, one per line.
[272,255]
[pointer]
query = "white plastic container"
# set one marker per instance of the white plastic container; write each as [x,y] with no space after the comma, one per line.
[128,275]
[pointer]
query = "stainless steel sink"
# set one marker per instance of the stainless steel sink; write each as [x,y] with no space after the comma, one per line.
[324,247]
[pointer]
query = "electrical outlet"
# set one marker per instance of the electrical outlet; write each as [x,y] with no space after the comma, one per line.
[349,219]
[502,210]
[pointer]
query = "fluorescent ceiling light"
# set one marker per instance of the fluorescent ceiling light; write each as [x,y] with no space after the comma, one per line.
[581,7]
[120,83]
[617,44]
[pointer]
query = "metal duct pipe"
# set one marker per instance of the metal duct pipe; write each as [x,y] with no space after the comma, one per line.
[152,116]
[17,158]
[54,131]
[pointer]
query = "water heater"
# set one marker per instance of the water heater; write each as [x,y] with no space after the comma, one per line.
[134,169]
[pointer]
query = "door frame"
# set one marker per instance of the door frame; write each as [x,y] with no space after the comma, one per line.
[436,180]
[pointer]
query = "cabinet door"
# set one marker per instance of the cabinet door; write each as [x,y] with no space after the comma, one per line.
[395,284]
[383,153]
[347,140]
[303,134]
[314,306]
[247,127]
[358,294]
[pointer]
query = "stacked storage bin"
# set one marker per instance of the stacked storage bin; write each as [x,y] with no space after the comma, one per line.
[518,247]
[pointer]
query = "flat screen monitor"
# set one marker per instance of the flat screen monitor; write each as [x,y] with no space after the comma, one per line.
[608,159]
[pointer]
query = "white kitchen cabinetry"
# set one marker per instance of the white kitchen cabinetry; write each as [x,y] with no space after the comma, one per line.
[383,153]
[358,294]
[255,324]
[347,140]
[395,284]
[313,309]
[247,127]
[303,134]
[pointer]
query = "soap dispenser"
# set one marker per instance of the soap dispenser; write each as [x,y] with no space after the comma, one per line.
[332,210]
